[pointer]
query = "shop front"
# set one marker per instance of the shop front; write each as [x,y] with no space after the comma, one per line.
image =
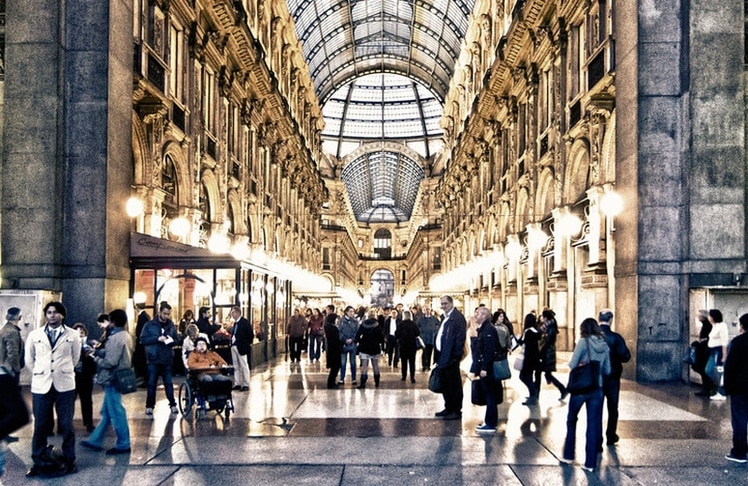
[189,278]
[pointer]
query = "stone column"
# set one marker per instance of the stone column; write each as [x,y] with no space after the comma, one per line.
[680,168]
[67,157]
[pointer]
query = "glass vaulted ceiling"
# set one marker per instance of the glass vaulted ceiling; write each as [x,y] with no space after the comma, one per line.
[381,69]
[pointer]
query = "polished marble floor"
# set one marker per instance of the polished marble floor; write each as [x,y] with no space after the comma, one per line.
[290,429]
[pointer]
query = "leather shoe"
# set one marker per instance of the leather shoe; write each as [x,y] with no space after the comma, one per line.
[114,450]
[244,388]
[612,440]
[452,416]
[442,413]
[237,387]
[10,439]
[70,469]
[34,471]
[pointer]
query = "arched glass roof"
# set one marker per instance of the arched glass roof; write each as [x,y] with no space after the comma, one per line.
[382,186]
[381,70]
[382,106]
[344,39]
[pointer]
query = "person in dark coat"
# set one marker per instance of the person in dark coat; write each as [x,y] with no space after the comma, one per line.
[450,346]
[531,372]
[159,337]
[619,354]
[486,349]
[702,356]
[334,346]
[241,347]
[204,325]
[406,335]
[548,350]
[427,325]
[85,371]
[736,387]
[138,357]
[370,339]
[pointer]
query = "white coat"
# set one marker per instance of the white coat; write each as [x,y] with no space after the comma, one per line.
[52,366]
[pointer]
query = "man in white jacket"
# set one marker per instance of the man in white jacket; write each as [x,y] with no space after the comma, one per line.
[51,354]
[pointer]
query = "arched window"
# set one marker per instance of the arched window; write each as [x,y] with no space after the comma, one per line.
[383,243]
[170,204]
[204,206]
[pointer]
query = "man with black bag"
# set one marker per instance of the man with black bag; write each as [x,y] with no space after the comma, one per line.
[450,346]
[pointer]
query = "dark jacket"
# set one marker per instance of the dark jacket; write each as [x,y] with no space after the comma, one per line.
[453,340]
[242,336]
[428,326]
[156,352]
[619,352]
[736,366]
[548,347]
[531,340]
[485,349]
[406,333]
[204,326]
[370,338]
[334,346]
[347,328]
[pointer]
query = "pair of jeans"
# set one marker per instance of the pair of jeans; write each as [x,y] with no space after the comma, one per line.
[112,412]
[715,360]
[164,371]
[739,419]
[315,347]
[348,354]
[593,437]
[44,404]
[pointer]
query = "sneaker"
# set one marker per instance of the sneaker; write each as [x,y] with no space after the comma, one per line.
[588,469]
[564,460]
[732,458]
[485,429]
[174,409]
[718,397]
[563,396]
[341,382]
[149,411]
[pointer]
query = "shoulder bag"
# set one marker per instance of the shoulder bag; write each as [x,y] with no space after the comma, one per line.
[584,378]
[501,370]
[435,380]
[519,359]
[125,381]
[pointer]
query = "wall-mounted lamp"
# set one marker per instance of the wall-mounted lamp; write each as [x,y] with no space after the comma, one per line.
[611,203]
[134,207]
[179,227]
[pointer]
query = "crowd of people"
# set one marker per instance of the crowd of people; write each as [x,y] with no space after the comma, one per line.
[66,361]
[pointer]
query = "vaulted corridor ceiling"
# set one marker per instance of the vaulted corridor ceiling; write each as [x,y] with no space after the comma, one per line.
[381,69]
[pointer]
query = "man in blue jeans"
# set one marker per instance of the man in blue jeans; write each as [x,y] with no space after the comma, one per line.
[619,354]
[159,337]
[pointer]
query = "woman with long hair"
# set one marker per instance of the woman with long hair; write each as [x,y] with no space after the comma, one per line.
[370,339]
[530,373]
[549,326]
[591,347]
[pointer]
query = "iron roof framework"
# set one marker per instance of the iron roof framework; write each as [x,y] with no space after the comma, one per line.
[381,70]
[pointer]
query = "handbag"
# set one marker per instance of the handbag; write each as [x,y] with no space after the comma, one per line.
[419,343]
[435,380]
[477,395]
[584,378]
[125,381]
[501,370]
[519,360]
